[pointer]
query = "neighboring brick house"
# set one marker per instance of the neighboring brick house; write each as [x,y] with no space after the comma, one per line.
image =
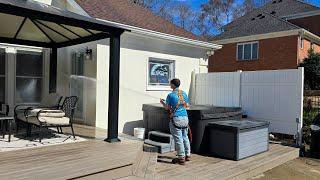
[275,36]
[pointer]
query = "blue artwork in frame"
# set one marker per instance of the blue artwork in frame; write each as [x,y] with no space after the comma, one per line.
[160,72]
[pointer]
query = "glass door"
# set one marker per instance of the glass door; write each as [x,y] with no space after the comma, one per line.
[2,76]
[29,77]
[77,83]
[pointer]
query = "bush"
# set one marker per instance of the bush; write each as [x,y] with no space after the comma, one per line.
[311,66]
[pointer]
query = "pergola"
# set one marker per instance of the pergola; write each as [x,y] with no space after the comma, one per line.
[24,22]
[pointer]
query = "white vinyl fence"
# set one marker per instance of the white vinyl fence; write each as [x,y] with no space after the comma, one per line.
[219,89]
[274,96]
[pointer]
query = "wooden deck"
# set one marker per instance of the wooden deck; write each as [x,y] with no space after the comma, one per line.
[96,159]
[70,160]
[202,167]
[83,160]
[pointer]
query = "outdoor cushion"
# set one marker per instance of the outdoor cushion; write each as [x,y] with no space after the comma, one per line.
[46,120]
[55,121]
[47,113]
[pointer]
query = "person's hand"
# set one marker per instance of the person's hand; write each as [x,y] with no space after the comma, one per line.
[162,101]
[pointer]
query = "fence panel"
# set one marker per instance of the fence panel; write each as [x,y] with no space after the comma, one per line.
[274,96]
[218,89]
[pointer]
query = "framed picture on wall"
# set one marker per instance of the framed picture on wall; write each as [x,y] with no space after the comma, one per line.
[160,72]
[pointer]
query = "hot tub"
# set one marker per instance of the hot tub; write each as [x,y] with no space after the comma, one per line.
[238,139]
[156,118]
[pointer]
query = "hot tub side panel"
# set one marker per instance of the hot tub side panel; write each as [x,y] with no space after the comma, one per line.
[223,144]
[252,142]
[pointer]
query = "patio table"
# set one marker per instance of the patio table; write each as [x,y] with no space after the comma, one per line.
[8,121]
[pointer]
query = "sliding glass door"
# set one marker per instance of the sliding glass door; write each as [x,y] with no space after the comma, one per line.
[77,83]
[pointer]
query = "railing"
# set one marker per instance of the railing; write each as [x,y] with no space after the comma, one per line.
[311,106]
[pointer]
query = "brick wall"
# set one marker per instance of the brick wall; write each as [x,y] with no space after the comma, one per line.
[303,53]
[275,53]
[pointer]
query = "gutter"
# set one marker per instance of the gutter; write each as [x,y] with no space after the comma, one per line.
[310,35]
[301,15]
[176,39]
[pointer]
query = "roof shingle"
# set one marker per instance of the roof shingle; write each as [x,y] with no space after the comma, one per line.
[126,12]
[273,11]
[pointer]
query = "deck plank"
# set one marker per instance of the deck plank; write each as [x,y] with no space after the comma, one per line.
[68,160]
[202,167]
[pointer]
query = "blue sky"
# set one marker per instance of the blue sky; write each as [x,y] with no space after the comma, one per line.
[196,3]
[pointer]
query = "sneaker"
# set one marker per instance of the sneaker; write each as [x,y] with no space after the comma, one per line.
[188,158]
[180,161]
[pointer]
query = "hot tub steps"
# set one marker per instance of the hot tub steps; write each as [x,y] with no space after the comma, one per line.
[162,142]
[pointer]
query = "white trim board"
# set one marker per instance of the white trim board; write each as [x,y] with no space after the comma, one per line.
[302,32]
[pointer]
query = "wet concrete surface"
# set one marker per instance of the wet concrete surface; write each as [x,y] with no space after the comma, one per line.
[298,169]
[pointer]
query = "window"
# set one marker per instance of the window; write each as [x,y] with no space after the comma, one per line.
[2,75]
[312,45]
[77,82]
[248,51]
[29,76]
[160,71]
[301,43]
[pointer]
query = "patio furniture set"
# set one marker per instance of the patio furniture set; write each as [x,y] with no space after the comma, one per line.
[54,111]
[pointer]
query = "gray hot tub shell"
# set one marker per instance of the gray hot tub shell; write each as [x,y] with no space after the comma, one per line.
[238,139]
[155,118]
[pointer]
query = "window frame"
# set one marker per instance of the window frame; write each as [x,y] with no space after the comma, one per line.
[312,45]
[159,87]
[4,76]
[243,51]
[42,77]
[301,42]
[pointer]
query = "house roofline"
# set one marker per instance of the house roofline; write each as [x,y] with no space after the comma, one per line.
[258,37]
[176,39]
[309,35]
[301,15]
[299,32]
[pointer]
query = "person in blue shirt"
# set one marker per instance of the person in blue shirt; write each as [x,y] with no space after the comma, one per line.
[177,103]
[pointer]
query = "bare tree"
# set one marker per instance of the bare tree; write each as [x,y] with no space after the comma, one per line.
[185,16]
[219,12]
[161,8]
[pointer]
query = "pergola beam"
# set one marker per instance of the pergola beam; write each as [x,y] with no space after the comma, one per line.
[20,27]
[26,42]
[83,40]
[74,33]
[69,18]
[57,32]
[43,31]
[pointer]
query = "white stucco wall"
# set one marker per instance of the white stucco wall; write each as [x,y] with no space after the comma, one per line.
[135,52]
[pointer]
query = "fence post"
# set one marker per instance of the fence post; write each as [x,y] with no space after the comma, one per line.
[240,87]
[301,89]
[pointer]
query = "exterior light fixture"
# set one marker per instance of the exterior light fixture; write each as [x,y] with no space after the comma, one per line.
[210,53]
[88,54]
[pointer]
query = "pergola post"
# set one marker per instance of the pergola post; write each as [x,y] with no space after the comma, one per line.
[53,70]
[114,78]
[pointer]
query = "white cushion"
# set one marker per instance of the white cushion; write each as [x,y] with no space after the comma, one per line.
[47,112]
[55,121]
